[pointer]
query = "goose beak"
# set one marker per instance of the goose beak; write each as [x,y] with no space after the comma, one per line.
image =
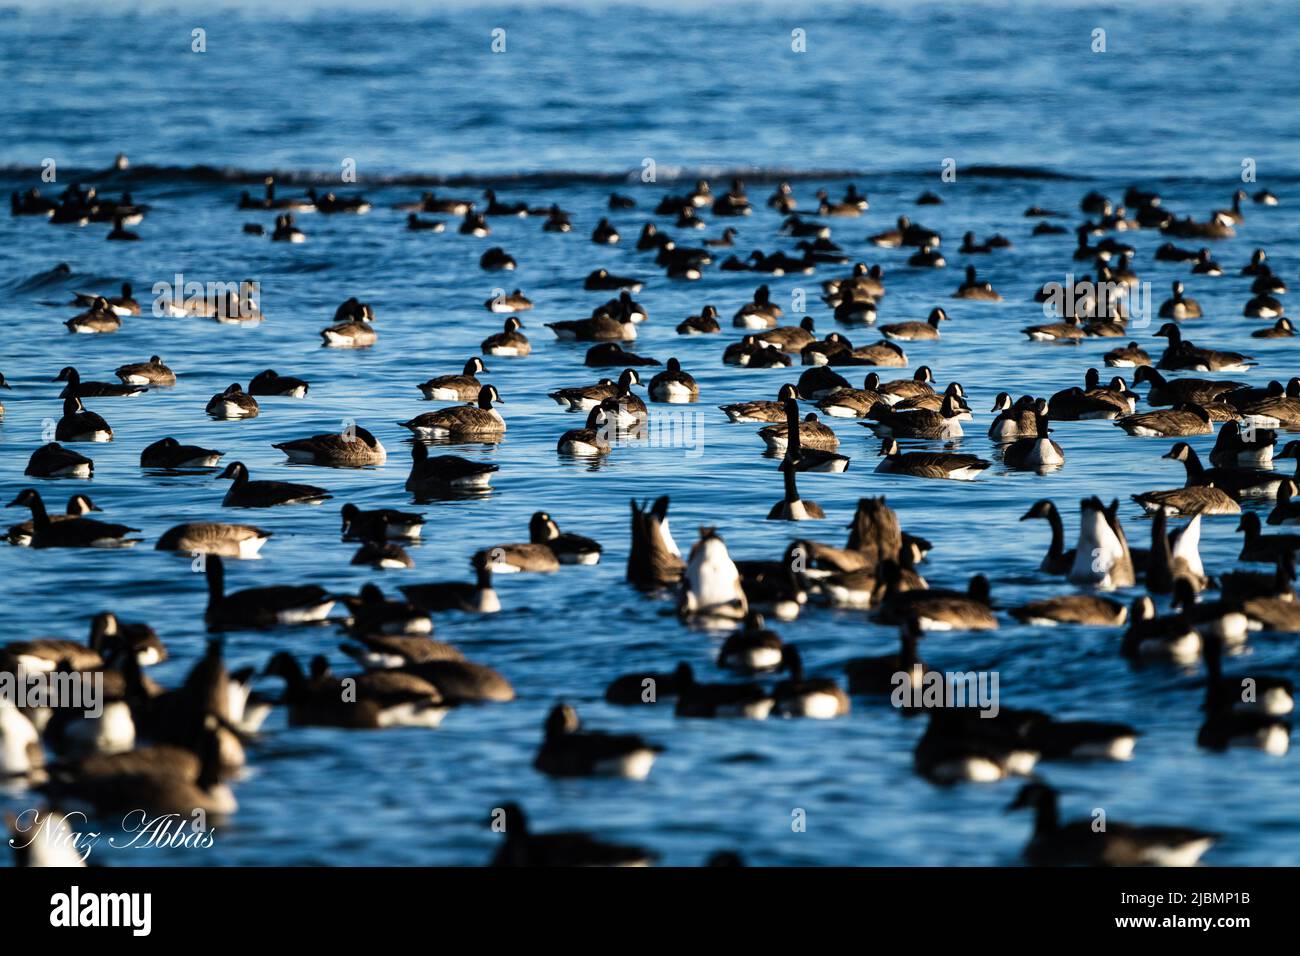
[13,504]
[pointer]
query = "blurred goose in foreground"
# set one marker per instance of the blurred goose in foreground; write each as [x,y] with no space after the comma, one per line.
[475,597]
[1086,609]
[365,701]
[214,537]
[522,848]
[1102,556]
[799,696]
[1251,726]
[1149,637]
[712,586]
[1079,843]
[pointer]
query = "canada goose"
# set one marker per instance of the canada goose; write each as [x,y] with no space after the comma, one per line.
[445,474]
[1274,411]
[1072,609]
[752,648]
[152,372]
[1249,693]
[369,700]
[244,493]
[1057,560]
[331,203]
[353,327]
[380,651]
[954,749]
[916,331]
[1079,843]
[473,224]
[382,556]
[1214,620]
[477,597]
[855,308]
[271,382]
[514,558]
[607,354]
[1068,332]
[919,422]
[750,353]
[654,560]
[812,433]
[972,288]
[233,403]
[1037,452]
[212,537]
[791,507]
[581,398]
[711,582]
[72,531]
[853,402]
[937,609]
[568,548]
[124,304]
[673,385]
[1128,356]
[800,696]
[1192,500]
[816,457]
[372,613]
[508,303]
[1205,266]
[1283,329]
[1265,198]
[593,438]
[54,461]
[1102,558]
[78,506]
[820,381]
[1234,213]
[921,464]
[759,313]
[569,751]
[286,230]
[80,425]
[98,319]
[164,787]
[1172,392]
[1263,306]
[522,848]
[1233,479]
[1228,725]
[1170,638]
[415,224]
[1286,511]
[456,388]
[261,607]
[880,676]
[1233,448]
[1014,420]
[602,326]
[1183,355]
[474,422]
[705,323]
[1185,418]
[1180,307]
[353,448]
[171,454]
[1259,548]
[75,386]
[380,525]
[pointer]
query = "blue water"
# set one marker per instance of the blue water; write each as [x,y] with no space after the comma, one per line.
[581,97]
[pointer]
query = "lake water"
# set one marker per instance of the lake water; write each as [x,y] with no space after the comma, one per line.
[572,109]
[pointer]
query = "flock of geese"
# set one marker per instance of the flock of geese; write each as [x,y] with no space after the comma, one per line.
[181,748]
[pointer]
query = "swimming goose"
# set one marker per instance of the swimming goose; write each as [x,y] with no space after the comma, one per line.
[788,338]
[916,331]
[1102,558]
[648,687]
[673,385]
[1228,725]
[1037,452]
[445,474]
[353,448]
[261,607]
[381,651]
[1250,693]
[936,609]
[1057,560]
[1216,621]
[79,425]
[799,696]
[721,700]
[791,507]
[353,327]
[477,597]
[271,382]
[152,372]
[703,324]
[654,560]
[451,388]
[607,354]
[72,531]
[171,454]
[593,438]
[569,548]
[603,280]
[1079,843]
[1184,356]
[382,556]
[1263,306]
[1233,479]
[812,433]
[920,422]
[1259,548]
[1286,511]
[124,304]
[1068,332]
[569,751]
[1015,420]
[286,230]
[213,537]
[821,381]
[603,326]
[1171,638]
[855,308]
[711,583]
[523,848]
[99,318]
[922,464]
[1283,329]
[1180,307]
[815,457]
[1185,418]
[849,402]
[382,524]
[972,288]
[82,389]
[1128,356]
[954,749]
[473,422]
[881,676]
[751,648]
[1072,609]
[474,224]
[1231,447]
[54,461]
[244,493]
[415,224]
[369,700]
[586,397]
[233,403]
[1274,410]
[759,313]
[1204,265]
[1172,392]
[78,506]
[1191,500]
[520,557]
[372,613]
[750,353]
[905,233]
